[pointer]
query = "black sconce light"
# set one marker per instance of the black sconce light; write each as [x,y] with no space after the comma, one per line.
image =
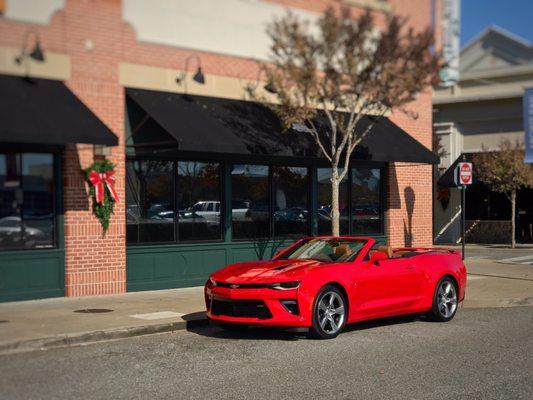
[270,87]
[198,77]
[36,54]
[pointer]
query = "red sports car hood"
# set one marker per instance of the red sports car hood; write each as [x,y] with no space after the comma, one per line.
[264,271]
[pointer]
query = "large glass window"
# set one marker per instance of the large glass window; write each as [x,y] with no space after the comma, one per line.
[198,191]
[149,201]
[290,201]
[250,201]
[366,204]
[324,202]
[26,200]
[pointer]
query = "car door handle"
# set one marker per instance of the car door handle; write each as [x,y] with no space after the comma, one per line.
[410,267]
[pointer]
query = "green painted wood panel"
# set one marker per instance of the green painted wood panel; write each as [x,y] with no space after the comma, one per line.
[181,265]
[33,274]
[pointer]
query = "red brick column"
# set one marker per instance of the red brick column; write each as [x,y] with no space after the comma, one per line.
[94,264]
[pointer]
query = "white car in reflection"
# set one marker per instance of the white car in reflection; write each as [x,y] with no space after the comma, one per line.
[210,210]
[11,229]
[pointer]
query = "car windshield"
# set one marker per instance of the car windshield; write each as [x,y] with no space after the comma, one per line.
[325,250]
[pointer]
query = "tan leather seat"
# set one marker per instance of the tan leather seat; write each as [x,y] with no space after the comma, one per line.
[342,250]
[386,250]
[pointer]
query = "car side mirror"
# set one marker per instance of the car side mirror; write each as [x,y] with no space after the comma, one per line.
[378,256]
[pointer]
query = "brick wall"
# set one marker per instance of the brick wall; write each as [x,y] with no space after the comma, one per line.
[96,264]
[410,213]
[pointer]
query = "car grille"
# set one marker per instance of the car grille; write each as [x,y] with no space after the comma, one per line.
[240,308]
[242,285]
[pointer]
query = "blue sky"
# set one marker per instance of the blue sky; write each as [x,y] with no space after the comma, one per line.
[516,16]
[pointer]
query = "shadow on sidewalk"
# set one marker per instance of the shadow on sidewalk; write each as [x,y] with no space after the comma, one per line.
[211,329]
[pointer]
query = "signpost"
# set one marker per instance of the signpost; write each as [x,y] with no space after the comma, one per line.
[463,177]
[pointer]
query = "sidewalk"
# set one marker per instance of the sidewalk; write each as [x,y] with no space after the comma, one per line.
[41,324]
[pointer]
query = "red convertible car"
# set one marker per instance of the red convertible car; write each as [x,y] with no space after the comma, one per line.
[323,283]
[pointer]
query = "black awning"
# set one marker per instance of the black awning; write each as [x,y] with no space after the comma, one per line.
[447,178]
[44,111]
[207,124]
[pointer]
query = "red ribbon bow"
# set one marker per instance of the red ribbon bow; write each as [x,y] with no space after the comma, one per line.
[98,179]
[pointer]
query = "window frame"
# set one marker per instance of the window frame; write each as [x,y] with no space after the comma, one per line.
[175,222]
[221,200]
[270,208]
[57,193]
[382,199]
[225,191]
[309,199]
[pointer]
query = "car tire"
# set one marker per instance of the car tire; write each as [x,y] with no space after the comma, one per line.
[330,311]
[236,328]
[445,301]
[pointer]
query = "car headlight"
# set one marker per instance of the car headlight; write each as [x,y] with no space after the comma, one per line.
[212,281]
[284,285]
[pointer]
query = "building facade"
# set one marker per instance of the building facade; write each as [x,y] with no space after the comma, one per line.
[475,115]
[159,90]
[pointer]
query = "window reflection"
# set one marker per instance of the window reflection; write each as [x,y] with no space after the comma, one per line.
[149,201]
[366,192]
[250,201]
[26,200]
[324,202]
[198,189]
[290,201]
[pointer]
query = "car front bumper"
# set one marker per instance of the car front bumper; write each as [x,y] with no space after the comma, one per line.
[262,306]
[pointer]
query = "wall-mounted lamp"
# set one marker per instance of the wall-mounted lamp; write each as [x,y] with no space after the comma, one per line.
[101,150]
[36,54]
[197,77]
[270,87]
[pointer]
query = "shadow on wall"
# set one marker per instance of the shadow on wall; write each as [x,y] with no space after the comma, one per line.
[409,196]
[395,203]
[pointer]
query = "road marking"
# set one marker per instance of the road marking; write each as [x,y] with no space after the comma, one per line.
[158,315]
[524,260]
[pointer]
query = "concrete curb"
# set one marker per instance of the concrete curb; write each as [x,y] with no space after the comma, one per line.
[97,336]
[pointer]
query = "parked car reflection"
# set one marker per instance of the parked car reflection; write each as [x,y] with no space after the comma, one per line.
[35,232]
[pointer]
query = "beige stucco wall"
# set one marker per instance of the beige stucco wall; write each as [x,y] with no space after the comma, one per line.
[55,66]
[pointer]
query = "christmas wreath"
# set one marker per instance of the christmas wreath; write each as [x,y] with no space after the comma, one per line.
[101,178]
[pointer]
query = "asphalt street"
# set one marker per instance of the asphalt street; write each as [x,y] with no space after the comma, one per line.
[481,354]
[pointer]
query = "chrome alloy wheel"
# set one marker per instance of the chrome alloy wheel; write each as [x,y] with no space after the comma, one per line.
[330,312]
[447,299]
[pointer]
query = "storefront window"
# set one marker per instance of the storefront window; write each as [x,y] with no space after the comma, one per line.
[324,202]
[149,201]
[26,200]
[198,191]
[250,201]
[290,201]
[366,204]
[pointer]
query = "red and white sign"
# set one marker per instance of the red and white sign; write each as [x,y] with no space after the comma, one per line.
[463,173]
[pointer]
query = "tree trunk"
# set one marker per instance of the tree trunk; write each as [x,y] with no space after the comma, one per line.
[335,230]
[513,217]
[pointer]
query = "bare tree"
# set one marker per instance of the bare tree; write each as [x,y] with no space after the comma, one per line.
[342,69]
[504,171]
